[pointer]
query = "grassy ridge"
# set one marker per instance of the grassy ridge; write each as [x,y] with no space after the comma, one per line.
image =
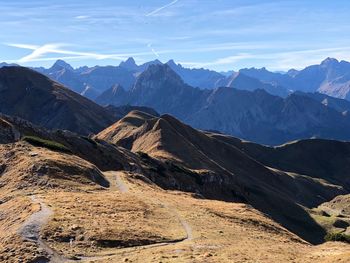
[52,145]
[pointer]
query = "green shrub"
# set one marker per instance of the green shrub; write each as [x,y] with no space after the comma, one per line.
[337,237]
[52,145]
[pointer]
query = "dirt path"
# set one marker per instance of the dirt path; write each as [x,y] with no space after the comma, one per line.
[123,188]
[31,231]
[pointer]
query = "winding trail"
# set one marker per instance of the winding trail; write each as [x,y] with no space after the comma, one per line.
[31,228]
[123,188]
[30,231]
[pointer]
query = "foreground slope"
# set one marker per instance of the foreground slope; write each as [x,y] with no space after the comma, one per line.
[32,96]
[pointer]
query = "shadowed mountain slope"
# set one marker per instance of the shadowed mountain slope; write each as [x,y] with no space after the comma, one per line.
[32,96]
[317,158]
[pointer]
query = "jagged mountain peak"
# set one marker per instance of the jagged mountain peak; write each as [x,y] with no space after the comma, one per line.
[171,63]
[61,64]
[129,64]
[329,62]
[161,73]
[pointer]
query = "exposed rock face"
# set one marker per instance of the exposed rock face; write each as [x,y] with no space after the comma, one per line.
[8,132]
[32,96]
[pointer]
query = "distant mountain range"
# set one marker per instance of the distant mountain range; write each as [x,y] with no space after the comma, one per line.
[254,115]
[331,77]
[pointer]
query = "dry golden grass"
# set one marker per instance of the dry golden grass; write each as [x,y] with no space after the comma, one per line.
[110,225]
[102,220]
[221,232]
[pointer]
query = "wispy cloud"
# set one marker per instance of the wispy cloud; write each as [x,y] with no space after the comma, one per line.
[284,60]
[81,17]
[161,8]
[39,53]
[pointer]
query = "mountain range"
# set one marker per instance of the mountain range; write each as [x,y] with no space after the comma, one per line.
[254,115]
[331,77]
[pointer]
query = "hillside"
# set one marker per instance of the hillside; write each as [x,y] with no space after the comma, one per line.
[34,97]
[210,162]
[329,158]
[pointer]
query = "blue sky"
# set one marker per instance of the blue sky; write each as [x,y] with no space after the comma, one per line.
[215,34]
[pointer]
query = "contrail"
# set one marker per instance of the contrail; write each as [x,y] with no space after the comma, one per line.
[161,8]
[152,49]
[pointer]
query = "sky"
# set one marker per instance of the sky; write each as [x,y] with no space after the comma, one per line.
[217,34]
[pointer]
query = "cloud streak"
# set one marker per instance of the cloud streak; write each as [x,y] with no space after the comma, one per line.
[39,53]
[161,8]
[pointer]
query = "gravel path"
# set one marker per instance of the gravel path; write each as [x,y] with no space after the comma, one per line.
[30,231]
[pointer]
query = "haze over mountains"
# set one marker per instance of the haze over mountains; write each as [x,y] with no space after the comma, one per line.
[256,105]
[331,77]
